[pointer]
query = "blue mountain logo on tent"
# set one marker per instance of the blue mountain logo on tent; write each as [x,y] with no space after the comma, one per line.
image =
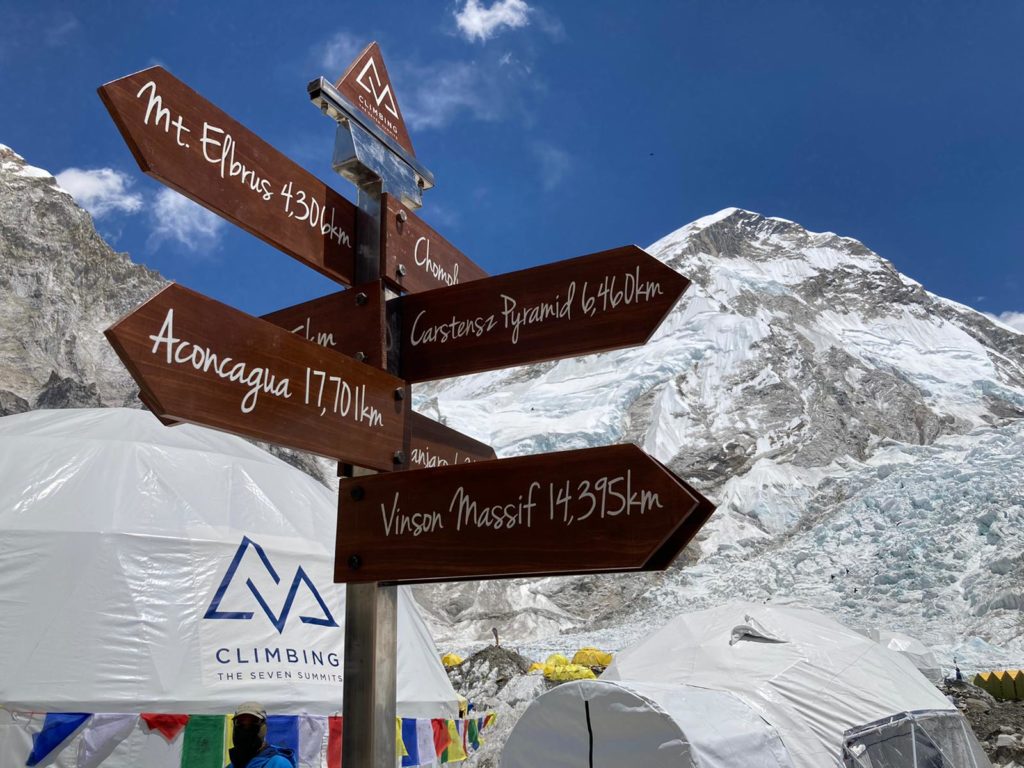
[278,620]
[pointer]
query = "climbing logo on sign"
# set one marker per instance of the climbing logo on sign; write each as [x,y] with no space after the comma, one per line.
[374,86]
[262,625]
[215,612]
[367,85]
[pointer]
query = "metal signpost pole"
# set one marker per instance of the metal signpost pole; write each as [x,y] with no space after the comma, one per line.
[364,156]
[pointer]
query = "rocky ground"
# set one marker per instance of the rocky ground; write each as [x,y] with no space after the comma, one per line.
[495,679]
[999,725]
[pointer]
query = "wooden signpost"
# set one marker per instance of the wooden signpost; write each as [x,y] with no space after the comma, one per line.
[200,361]
[586,511]
[595,303]
[184,141]
[314,376]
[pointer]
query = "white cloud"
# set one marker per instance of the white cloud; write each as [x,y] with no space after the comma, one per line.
[554,164]
[444,90]
[100,190]
[477,22]
[60,29]
[338,52]
[1013,319]
[178,218]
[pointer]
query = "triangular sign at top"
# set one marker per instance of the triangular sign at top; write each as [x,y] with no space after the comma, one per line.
[367,85]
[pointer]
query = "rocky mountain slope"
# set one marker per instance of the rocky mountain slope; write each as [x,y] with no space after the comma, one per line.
[60,286]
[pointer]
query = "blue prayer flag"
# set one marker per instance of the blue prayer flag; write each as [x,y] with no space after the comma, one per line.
[283,731]
[412,745]
[57,727]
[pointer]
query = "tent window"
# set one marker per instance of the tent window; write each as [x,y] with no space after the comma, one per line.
[914,740]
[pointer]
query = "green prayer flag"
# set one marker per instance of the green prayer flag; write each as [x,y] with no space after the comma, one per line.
[204,742]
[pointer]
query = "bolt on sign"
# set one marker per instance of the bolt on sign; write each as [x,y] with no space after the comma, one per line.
[200,361]
[184,141]
[587,511]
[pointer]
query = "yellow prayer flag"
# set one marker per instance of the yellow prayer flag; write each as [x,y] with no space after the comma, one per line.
[456,754]
[400,749]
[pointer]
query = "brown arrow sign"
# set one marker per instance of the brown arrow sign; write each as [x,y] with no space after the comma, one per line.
[414,257]
[349,322]
[184,141]
[588,511]
[432,444]
[200,361]
[595,303]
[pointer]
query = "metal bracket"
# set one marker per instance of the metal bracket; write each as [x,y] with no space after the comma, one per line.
[364,154]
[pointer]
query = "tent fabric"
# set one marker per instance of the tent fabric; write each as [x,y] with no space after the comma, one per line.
[564,727]
[161,570]
[628,723]
[803,673]
[913,649]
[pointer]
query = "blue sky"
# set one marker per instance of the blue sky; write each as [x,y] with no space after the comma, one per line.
[556,129]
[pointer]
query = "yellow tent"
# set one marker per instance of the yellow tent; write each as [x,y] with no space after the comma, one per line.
[451,660]
[567,672]
[987,682]
[1018,683]
[1006,691]
[592,657]
[556,660]
[1006,685]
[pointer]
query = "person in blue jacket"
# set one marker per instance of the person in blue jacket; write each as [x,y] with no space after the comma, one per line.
[249,736]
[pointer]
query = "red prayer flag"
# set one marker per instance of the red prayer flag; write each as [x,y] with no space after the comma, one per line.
[169,725]
[334,742]
[441,737]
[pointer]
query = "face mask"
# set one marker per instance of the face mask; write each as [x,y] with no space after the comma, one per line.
[248,739]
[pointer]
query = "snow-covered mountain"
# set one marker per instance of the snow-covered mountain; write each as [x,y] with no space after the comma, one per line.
[840,415]
[864,439]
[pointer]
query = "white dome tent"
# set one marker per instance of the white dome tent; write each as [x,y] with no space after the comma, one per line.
[146,569]
[922,658]
[747,684]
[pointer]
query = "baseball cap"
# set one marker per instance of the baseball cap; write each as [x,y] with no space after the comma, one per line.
[253,708]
